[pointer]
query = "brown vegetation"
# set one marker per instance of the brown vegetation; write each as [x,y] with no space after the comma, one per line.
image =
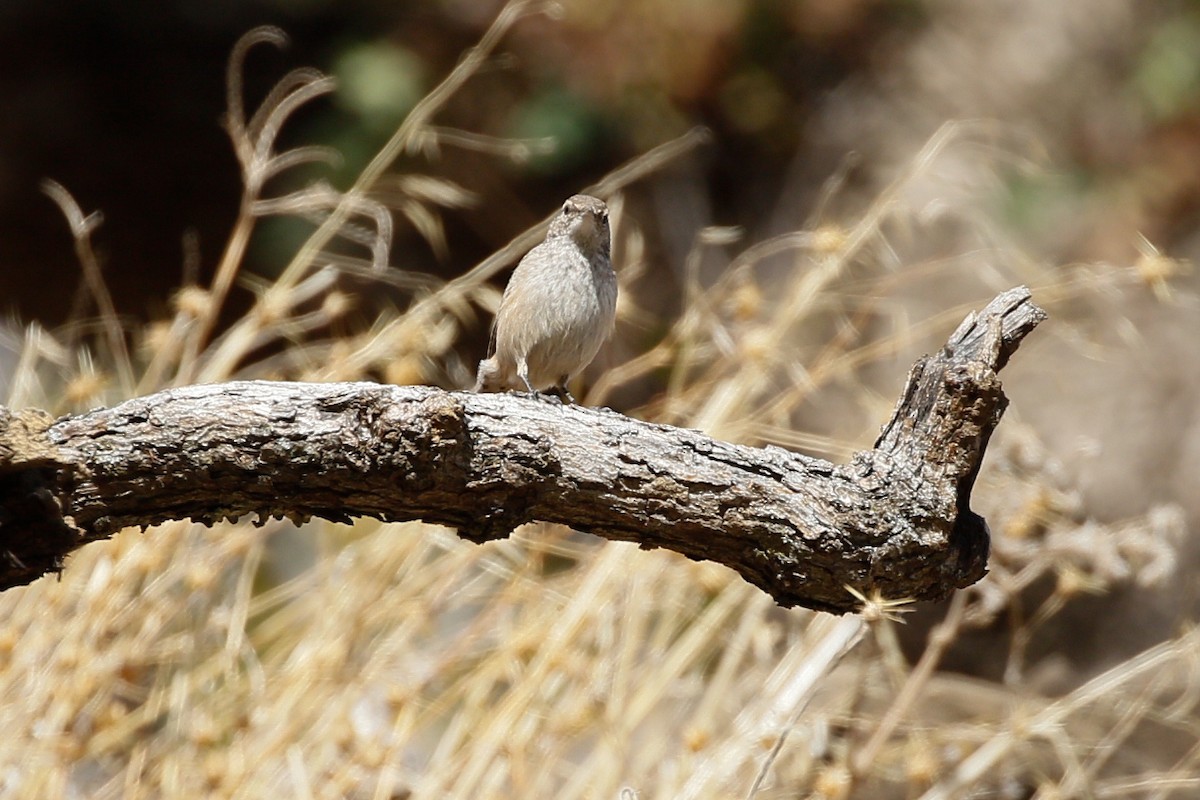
[397,660]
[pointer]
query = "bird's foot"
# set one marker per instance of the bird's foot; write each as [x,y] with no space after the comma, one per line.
[561,394]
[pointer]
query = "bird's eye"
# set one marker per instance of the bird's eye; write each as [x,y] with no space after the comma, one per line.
[566,207]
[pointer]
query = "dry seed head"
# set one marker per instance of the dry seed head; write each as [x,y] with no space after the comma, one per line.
[697,738]
[215,767]
[201,577]
[372,755]
[336,304]
[833,782]
[1072,581]
[399,696]
[341,733]
[921,765]
[577,717]
[405,371]
[204,730]
[338,364]
[1048,790]
[711,577]
[876,607]
[112,713]
[758,345]
[1030,519]
[1155,270]
[273,306]
[68,657]
[192,301]
[8,641]
[829,240]
[84,388]
[746,301]
[145,559]
[155,337]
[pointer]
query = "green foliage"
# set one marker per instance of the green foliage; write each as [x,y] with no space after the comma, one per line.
[563,116]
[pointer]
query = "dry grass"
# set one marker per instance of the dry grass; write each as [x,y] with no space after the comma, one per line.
[382,661]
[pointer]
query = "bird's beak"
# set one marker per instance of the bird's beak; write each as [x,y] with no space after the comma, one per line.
[589,228]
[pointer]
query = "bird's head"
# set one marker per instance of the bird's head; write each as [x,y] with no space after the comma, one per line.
[584,219]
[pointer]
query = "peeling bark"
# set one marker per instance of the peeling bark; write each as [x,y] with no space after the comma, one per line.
[895,519]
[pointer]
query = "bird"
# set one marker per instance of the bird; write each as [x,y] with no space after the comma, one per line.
[558,308]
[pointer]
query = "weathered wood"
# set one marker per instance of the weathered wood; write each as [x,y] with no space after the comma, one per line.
[895,519]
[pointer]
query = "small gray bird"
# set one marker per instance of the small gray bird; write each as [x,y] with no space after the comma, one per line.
[558,308]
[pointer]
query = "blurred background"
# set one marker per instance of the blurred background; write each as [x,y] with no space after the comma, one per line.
[122,102]
[871,171]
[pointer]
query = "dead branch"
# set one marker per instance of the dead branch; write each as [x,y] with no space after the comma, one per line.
[895,519]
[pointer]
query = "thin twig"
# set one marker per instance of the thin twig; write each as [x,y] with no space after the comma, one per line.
[81,230]
[402,139]
[940,638]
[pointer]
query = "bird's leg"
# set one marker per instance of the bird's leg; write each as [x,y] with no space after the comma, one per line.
[561,392]
[523,374]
